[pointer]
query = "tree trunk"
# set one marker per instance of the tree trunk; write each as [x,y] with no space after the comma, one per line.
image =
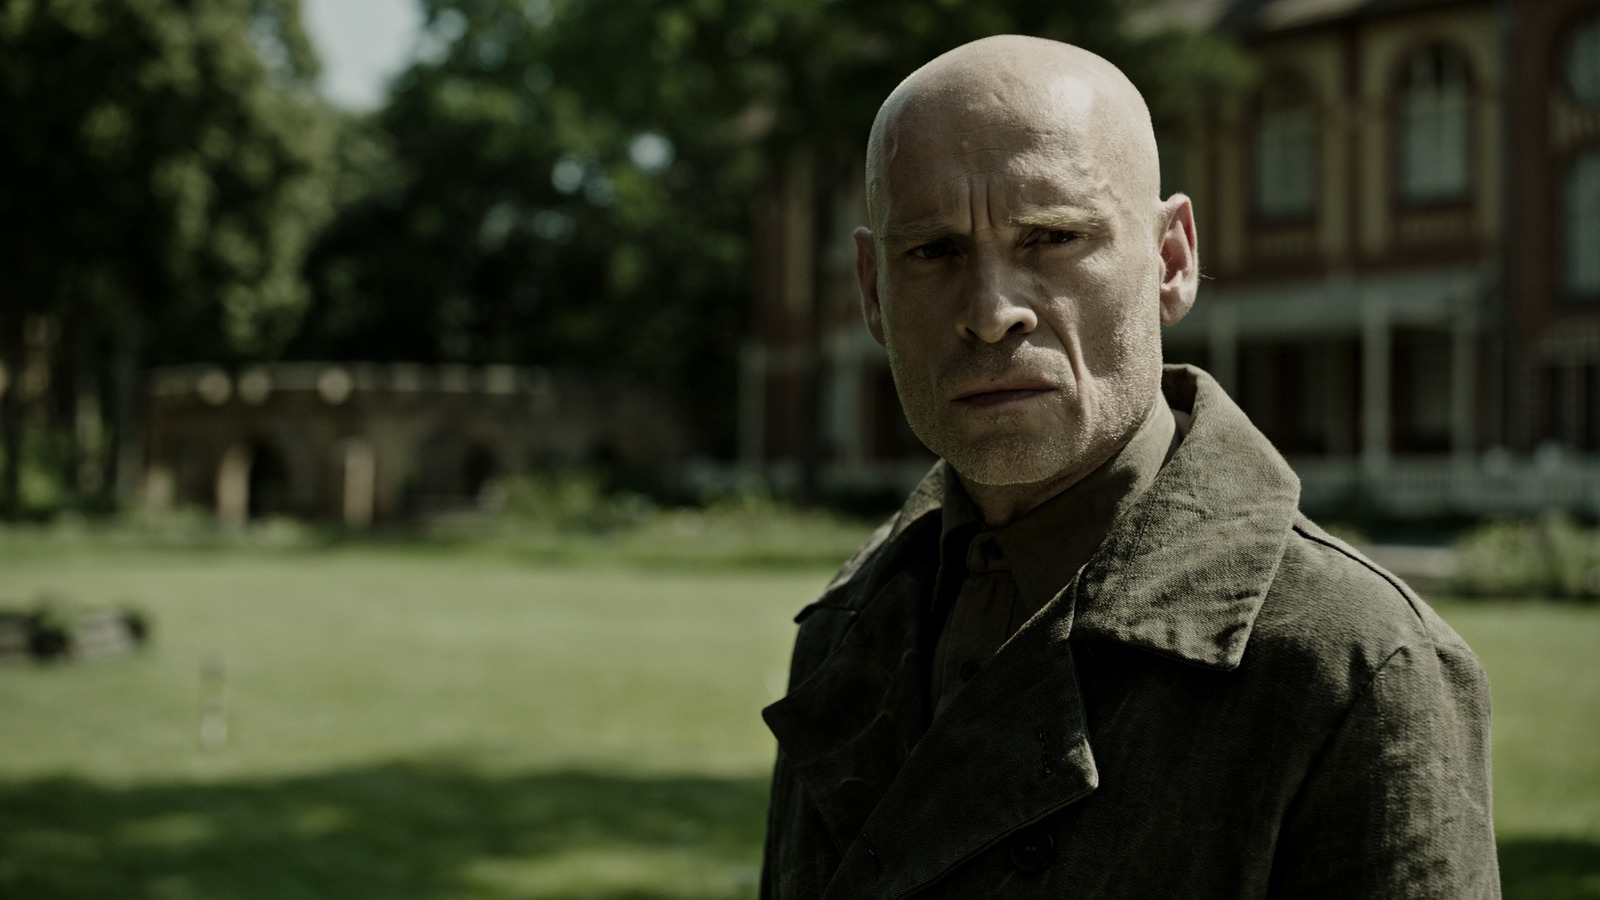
[87,460]
[815,451]
[128,461]
[11,352]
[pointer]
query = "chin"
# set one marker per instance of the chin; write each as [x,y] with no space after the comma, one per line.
[1002,462]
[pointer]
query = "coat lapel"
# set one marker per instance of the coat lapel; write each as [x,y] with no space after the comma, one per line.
[848,728]
[1010,749]
[1185,572]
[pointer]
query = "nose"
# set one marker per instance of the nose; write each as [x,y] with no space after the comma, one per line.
[995,304]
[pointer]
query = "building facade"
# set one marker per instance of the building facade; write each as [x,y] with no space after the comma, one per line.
[1399,225]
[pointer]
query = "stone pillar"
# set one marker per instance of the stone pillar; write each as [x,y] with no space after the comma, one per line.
[360,483]
[160,487]
[233,487]
[1340,376]
[1463,388]
[1376,387]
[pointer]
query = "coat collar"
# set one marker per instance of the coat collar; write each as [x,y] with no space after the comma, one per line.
[1182,574]
[888,781]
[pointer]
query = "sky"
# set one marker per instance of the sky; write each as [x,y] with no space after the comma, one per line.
[362,44]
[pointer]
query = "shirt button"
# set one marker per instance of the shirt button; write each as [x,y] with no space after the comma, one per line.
[1031,850]
[969,669]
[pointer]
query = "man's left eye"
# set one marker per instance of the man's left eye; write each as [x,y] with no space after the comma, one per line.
[1058,237]
[935,250]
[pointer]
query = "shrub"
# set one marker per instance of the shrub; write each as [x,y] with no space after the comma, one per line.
[1552,556]
[573,499]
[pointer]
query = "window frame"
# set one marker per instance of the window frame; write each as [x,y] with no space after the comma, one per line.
[1401,95]
[1261,214]
[1571,293]
[1586,20]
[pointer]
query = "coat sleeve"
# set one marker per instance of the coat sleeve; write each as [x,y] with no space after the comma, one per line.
[769,862]
[1397,803]
[798,857]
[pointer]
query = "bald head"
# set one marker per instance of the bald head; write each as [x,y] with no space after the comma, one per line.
[1064,98]
[1021,262]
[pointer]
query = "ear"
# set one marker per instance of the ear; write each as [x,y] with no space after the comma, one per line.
[867,275]
[1180,259]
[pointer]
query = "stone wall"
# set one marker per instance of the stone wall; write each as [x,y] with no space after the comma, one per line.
[363,442]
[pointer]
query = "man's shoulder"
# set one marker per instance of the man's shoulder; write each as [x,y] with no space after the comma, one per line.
[1341,616]
[886,548]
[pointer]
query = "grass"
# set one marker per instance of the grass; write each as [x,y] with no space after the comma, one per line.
[465,724]
[398,727]
[1543,661]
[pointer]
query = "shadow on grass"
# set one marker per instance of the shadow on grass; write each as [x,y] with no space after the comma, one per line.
[427,831]
[401,830]
[1550,869]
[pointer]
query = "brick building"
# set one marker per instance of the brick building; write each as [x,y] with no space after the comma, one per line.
[1400,224]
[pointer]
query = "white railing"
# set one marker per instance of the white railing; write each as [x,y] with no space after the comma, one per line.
[1452,487]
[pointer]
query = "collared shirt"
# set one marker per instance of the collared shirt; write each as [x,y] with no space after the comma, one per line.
[992,580]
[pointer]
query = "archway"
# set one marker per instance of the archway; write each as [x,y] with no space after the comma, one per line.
[270,493]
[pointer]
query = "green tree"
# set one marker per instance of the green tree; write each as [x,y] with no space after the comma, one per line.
[571,182]
[525,215]
[166,166]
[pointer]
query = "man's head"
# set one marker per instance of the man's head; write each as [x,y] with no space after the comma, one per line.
[1021,261]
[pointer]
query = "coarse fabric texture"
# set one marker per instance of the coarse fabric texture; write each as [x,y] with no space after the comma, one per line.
[994,579]
[1226,702]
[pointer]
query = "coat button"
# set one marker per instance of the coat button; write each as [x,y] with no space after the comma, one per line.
[969,669]
[1031,850]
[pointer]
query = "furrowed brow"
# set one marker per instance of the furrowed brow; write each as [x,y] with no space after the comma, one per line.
[1059,218]
[913,233]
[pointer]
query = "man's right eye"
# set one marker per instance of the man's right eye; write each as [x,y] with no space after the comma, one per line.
[934,250]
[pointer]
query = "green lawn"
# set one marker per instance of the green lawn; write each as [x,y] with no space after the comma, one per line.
[463,725]
[1543,662]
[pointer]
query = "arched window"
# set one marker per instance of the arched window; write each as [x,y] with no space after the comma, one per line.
[1286,152]
[1582,62]
[1433,128]
[1581,203]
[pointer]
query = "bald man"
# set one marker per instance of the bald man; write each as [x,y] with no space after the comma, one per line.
[1099,653]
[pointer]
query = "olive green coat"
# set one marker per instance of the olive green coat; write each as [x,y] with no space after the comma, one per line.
[1225,703]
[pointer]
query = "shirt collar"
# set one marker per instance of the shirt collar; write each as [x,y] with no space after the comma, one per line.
[1046,547]
[1050,544]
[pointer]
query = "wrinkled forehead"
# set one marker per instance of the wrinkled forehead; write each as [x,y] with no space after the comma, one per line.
[1047,136]
[924,132]
[1030,101]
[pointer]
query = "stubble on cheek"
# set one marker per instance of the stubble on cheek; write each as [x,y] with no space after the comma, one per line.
[1005,446]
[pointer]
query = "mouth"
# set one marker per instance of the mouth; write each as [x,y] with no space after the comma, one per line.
[992,396]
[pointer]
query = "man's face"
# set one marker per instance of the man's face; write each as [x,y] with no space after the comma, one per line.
[1017,281]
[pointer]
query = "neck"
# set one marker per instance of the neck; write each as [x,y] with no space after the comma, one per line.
[1002,504]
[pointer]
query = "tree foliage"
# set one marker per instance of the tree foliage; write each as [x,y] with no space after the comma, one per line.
[165,166]
[168,158]
[570,181]
[558,182]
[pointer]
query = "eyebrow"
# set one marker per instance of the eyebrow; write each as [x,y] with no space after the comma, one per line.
[914,233]
[1058,218]
[1053,218]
